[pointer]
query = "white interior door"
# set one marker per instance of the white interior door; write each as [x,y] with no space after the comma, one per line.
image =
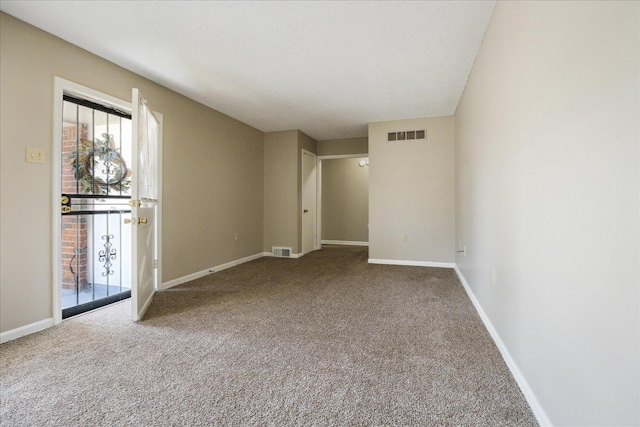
[308,202]
[145,201]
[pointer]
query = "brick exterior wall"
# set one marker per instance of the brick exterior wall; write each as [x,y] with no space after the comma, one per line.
[68,147]
[74,251]
[74,227]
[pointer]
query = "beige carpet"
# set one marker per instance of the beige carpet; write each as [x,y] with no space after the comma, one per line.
[324,340]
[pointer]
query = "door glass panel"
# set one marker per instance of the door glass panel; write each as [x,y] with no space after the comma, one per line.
[95,257]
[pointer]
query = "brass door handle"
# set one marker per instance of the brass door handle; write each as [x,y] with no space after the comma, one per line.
[135,221]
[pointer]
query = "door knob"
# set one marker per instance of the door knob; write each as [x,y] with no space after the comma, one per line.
[135,221]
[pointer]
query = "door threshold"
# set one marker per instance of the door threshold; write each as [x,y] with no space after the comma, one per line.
[93,305]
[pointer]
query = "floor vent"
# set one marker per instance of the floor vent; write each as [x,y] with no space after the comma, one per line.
[280,252]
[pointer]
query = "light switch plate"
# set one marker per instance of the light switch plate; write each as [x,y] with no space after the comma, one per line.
[35,155]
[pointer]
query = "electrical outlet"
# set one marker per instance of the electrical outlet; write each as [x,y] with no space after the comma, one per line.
[236,237]
[405,237]
[35,155]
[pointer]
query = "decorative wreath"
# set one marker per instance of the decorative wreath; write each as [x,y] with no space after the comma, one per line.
[99,167]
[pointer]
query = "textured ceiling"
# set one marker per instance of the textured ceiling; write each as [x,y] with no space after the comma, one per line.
[326,68]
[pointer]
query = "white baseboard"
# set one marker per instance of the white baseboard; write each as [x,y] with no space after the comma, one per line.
[344,242]
[26,330]
[528,393]
[412,263]
[197,275]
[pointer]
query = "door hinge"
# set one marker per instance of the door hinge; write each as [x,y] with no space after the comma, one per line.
[135,203]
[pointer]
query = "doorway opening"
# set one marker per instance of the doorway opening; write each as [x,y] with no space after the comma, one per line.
[108,211]
[344,199]
[95,183]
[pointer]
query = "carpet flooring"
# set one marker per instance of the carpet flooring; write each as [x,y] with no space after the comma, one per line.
[323,340]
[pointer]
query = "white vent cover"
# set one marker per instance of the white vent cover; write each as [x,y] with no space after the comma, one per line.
[280,252]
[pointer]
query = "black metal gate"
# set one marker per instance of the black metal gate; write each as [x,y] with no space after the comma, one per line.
[96,181]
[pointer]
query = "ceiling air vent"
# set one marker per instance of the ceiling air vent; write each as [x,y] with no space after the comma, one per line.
[280,252]
[407,135]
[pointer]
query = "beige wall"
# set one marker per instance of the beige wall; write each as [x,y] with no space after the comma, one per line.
[333,147]
[281,189]
[547,163]
[345,200]
[411,191]
[213,170]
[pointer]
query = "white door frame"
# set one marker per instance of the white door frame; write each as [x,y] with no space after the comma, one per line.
[60,87]
[319,188]
[317,238]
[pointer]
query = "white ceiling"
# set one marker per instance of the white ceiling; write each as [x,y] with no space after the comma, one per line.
[326,68]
